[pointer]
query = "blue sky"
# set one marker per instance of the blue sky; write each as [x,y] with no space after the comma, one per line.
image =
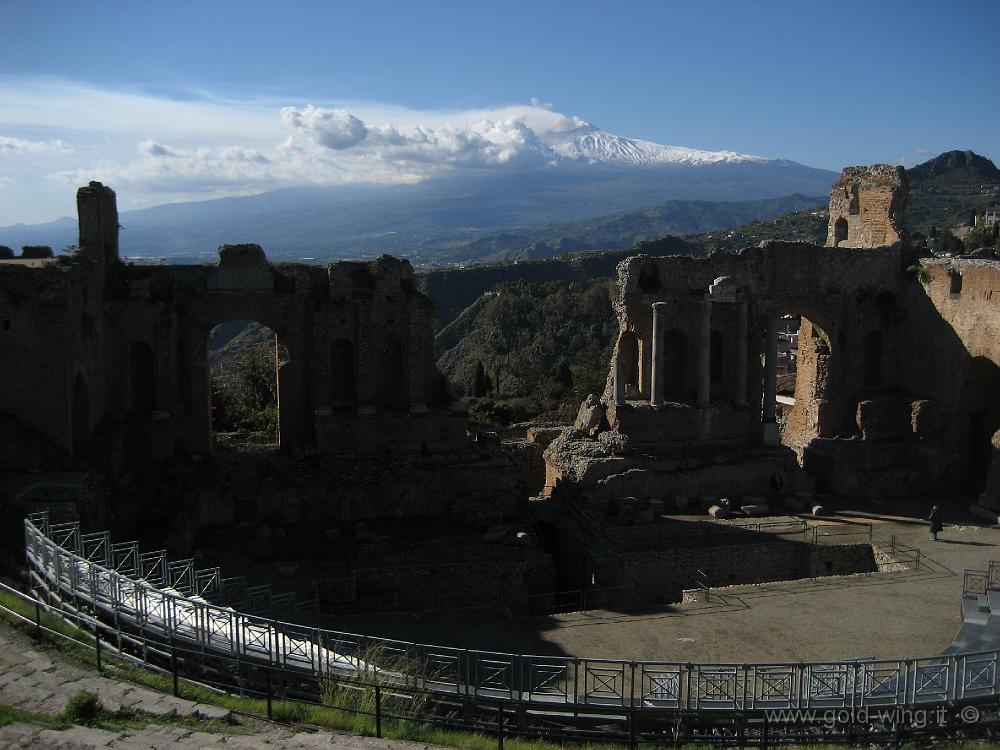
[186,100]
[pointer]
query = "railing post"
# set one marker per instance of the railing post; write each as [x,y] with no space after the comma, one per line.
[500,725]
[270,712]
[173,665]
[97,635]
[378,710]
[38,620]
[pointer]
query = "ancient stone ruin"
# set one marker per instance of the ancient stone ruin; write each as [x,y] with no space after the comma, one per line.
[896,392]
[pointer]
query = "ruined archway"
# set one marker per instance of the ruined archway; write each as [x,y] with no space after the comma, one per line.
[245,357]
[674,365]
[628,355]
[839,231]
[873,364]
[390,374]
[142,378]
[81,419]
[343,389]
[717,358]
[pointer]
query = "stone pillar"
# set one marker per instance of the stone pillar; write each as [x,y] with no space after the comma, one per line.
[705,353]
[656,375]
[770,368]
[619,382]
[741,353]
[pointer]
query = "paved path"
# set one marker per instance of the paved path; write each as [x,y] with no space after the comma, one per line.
[41,681]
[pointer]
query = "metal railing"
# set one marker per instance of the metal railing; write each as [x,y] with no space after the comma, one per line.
[563,693]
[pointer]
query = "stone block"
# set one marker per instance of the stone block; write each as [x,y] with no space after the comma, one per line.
[645,517]
[793,504]
[591,417]
[985,513]
[818,510]
[755,510]
[717,511]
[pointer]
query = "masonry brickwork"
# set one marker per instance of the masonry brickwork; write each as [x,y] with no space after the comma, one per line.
[896,389]
[106,365]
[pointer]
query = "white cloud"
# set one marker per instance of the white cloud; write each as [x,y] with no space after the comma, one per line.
[334,128]
[153,148]
[25,146]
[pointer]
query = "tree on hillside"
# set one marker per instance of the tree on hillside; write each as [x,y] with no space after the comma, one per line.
[480,382]
[245,394]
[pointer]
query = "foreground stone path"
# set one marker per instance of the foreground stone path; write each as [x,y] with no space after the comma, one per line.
[41,681]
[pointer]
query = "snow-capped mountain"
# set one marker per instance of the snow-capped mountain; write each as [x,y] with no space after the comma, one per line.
[595,146]
[582,172]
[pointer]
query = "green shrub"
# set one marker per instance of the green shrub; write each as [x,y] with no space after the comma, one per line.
[83,708]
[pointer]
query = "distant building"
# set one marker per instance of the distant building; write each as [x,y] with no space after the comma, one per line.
[991,217]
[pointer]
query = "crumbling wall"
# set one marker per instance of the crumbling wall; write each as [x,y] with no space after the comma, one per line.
[950,356]
[867,207]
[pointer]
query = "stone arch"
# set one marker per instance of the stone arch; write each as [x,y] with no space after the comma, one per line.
[142,378]
[839,231]
[674,365]
[390,373]
[81,418]
[261,355]
[717,358]
[873,359]
[343,387]
[628,354]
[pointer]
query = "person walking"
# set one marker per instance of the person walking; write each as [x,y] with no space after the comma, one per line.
[935,523]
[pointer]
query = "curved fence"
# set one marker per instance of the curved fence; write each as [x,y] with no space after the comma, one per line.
[641,701]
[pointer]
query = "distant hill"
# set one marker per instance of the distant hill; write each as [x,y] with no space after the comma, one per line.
[540,344]
[949,189]
[954,171]
[621,229]
[454,289]
[809,226]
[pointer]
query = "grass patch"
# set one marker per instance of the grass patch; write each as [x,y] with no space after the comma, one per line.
[9,715]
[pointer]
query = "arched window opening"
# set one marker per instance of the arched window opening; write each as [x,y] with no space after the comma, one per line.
[885,303]
[628,353]
[839,231]
[245,358]
[674,362]
[717,353]
[955,285]
[81,419]
[649,278]
[390,374]
[142,378]
[342,385]
[873,359]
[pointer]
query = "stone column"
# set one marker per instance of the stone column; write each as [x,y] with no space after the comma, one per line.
[619,382]
[656,374]
[770,367]
[704,353]
[741,353]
